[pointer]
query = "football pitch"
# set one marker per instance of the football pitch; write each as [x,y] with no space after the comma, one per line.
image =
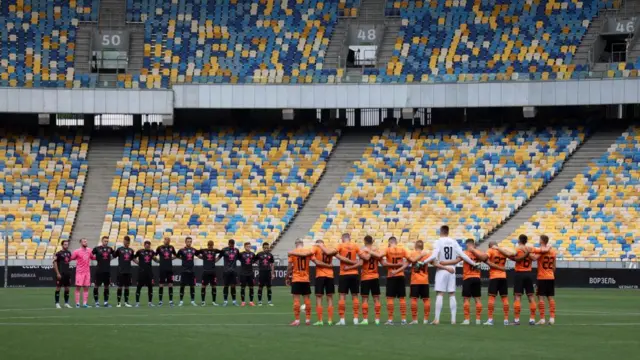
[590,324]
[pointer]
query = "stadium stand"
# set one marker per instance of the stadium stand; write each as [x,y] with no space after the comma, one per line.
[214,185]
[595,216]
[41,183]
[410,182]
[38,41]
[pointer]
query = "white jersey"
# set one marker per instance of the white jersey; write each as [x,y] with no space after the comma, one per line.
[446,249]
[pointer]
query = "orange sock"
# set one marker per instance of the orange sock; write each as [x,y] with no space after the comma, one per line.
[491,306]
[426,303]
[319,309]
[403,309]
[377,306]
[505,307]
[516,308]
[341,308]
[365,309]
[307,310]
[552,308]
[356,307]
[414,309]
[296,309]
[541,309]
[467,308]
[390,308]
[478,310]
[330,311]
[532,310]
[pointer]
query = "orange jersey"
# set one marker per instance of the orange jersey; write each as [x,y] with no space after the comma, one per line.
[327,259]
[370,269]
[300,268]
[524,264]
[546,265]
[419,276]
[394,256]
[350,251]
[468,271]
[497,258]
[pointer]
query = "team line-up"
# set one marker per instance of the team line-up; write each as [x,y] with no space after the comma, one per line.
[359,276]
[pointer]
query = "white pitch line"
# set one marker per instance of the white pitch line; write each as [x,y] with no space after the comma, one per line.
[91,316]
[250,325]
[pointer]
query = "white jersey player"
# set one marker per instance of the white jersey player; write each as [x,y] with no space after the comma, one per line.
[446,249]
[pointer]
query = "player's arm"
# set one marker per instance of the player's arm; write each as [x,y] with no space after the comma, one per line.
[173,253]
[385,263]
[289,273]
[534,257]
[505,252]
[495,266]
[401,268]
[300,253]
[458,250]
[135,258]
[273,270]
[524,255]
[55,267]
[479,254]
[355,266]
[442,266]
[320,263]
[327,251]
[541,250]
[345,259]
[455,261]
[433,255]
[73,256]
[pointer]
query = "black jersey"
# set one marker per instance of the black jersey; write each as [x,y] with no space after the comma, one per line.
[145,259]
[208,258]
[63,257]
[165,255]
[247,259]
[187,255]
[264,260]
[103,255]
[230,256]
[124,255]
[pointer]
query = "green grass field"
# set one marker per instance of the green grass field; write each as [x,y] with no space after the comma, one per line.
[591,324]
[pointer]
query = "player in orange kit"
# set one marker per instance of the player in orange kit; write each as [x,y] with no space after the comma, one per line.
[298,278]
[349,281]
[324,282]
[497,281]
[546,258]
[523,280]
[370,280]
[394,260]
[419,287]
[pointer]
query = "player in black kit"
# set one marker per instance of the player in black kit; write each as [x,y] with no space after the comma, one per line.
[63,273]
[247,258]
[230,255]
[165,254]
[266,272]
[187,278]
[124,255]
[208,257]
[144,259]
[103,254]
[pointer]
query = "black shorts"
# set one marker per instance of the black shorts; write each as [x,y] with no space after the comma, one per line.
[396,287]
[209,278]
[472,288]
[523,283]
[498,286]
[65,280]
[230,278]
[419,291]
[246,279]
[325,286]
[301,288]
[166,277]
[145,279]
[264,278]
[187,278]
[103,278]
[348,284]
[546,288]
[370,287]
[124,280]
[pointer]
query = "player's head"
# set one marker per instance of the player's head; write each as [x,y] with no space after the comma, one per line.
[266,247]
[83,242]
[492,243]
[471,244]
[65,244]
[419,245]
[167,241]
[346,237]
[368,240]
[444,231]
[231,243]
[188,241]
[126,241]
[544,240]
[147,245]
[247,246]
[393,241]
[522,239]
[319,242]
[105,240]
[210,244]
[299,243]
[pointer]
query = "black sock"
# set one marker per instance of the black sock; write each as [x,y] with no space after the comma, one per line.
[119,295]
[251,293]
[269,293]
[214,292]
[242,292]
[95,294]
[161,292]
[138,288]
[233,293]
[57,297]
[171,293]
[66,296]
[150,289]
[260,294]
[181,292]
[105,293]
[192,292]
[126,295]
[225,292]
[203,293]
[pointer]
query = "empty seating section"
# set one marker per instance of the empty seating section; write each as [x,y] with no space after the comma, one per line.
[37,44]
[232,41]
[41,182]
[409,183]
[213,185]
[596,215]
[487,40]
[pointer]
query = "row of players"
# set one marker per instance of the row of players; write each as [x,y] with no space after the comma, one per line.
[164,255]
[359,276]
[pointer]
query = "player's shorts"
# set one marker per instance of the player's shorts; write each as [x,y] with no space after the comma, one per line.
[145,278]
[124,280]
[498,286]
[187,278]
[230,278]
[300,288]
[523,283]
[472,287]
[247,279]
[370,287]
[325,286]
[546,288]
[83,279]
[348,284]
[103,278]
[65,280]
[419,291]
[209,278]
[396,287]
[264,278]
[445,281]
[166,277]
